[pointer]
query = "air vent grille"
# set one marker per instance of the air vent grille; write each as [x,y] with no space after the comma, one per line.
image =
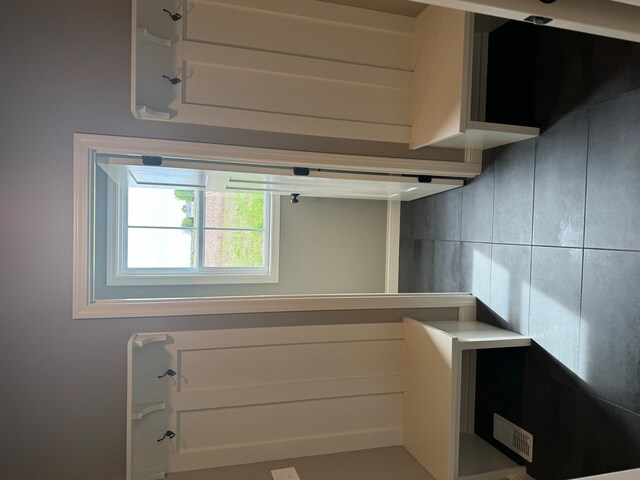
[514,437]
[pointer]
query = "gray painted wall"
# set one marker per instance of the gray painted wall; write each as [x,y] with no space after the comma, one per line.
[327,245]
[65,70]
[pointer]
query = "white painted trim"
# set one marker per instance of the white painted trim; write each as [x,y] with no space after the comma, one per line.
[392,265]
[263,304]
[597,17]
[83,305]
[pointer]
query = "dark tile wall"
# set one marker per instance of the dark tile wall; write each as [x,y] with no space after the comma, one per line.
[548,239]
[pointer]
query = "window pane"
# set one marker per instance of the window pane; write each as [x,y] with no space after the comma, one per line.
[229,248]
[160,248]
[234,210]
[162,207]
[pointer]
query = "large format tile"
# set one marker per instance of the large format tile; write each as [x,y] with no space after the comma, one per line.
[446,266]
[613,196]
[513,207]
[405,266]
[560,181]
[475,269]
[617,68]
[563,71]
[554,314]
[477,207]
[608,437]
[422,265]
[510,274]
[406,219]
[550,416]
[610,327]
[448,215]
[423,218]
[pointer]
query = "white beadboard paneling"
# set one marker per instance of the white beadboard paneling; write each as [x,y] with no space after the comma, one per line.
[219,428]
[270,82]
[231,367]
[320,30]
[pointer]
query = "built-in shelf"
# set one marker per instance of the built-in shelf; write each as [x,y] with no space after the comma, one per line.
[142,339]
[142,409]
[478,335]
[480,461]
[144,36]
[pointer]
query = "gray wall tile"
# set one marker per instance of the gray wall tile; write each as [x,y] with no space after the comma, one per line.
[510,273]
[610,327]
[422,265]
[446,266]
[448,215]
[560,181]
[513,207]
[477,207]
[613,196]
[475,269]
[554,314]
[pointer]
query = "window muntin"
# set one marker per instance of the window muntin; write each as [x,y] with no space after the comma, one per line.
[163,231]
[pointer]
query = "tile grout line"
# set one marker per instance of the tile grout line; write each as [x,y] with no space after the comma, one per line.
[584,238]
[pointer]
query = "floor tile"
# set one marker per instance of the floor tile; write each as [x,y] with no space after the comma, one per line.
[612,213]
[550,416]
[618,68]
[510,274]
[423,218]
[406,219]
[405,273]
[610,327]
[608,437]
[422,265]
[477,207]
[446,266]
[513,207]
[554,314]
[563,71]
[448,215]
[475,269]
[560,181]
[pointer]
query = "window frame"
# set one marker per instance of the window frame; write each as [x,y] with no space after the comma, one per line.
[118,274]
[84,305]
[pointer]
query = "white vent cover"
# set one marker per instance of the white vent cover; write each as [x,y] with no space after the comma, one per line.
[514,437]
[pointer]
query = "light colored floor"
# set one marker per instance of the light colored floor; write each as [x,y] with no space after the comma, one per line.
[389,463]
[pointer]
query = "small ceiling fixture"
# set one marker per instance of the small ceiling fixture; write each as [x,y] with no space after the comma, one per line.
[538,20]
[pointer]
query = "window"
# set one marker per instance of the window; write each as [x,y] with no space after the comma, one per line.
[173,226]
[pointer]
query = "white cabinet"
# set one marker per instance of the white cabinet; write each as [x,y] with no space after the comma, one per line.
[212,399]
[438,406]
[450,85]
[310,67]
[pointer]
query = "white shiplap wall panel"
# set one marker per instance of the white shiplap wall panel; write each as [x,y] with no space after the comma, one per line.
[248,395]
[268,82]
[304,28]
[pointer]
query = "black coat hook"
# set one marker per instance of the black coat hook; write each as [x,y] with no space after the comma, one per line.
[169,372]
[173,80]
[294,198]
[174,16]
[167,434]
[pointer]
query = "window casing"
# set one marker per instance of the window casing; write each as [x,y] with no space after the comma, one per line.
[121,273]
